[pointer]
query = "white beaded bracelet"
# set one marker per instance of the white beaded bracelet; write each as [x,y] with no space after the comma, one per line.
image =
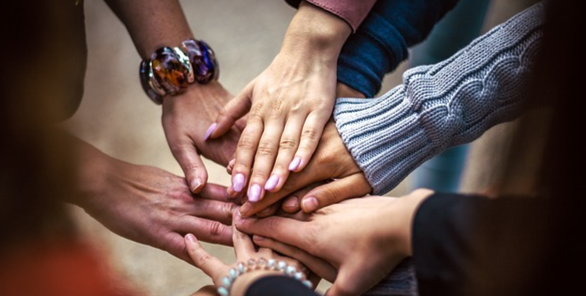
[260,264]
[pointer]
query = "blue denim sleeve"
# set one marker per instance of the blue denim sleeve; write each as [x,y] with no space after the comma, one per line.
[383,39]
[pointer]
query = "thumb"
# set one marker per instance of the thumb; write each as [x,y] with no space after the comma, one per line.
[191,164]
[234,110]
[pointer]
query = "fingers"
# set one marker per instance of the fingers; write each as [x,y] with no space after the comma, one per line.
[330,193]
[288,144]
[215,192]
[209,264]
[316,265]
[245,152]
[191,164]
[310,136]
[263,160]
[286,230]
[206,230]
[243,246]
[234,110]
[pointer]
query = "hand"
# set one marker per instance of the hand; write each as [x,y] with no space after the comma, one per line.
[364,238]
[244,250]
[331,161]
[185,119]
[289,103]
[149,205]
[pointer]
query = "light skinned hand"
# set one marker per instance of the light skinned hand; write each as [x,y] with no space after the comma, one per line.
[244,249]
[364,238]
[332,166]
[149,205]
[185,119]
[288,104]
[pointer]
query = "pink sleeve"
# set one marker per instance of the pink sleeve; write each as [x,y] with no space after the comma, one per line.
[352,11]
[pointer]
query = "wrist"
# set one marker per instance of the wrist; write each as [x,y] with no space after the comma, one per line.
[314,31]
[240,277]
[170,70]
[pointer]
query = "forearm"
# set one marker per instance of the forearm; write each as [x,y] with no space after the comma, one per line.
[152,24]
[382,41]
[92,167]
[315,34]
[442,105]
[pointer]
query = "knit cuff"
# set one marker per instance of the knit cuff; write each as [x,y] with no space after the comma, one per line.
[384,136]
[441,105]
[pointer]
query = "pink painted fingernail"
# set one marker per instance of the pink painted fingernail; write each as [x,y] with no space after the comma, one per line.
[254,193]
[272,182]
[295,163]
[210,130]
[238,182]
[309,204]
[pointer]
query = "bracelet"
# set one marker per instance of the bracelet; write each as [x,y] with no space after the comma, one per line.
[169,71]
[260,264]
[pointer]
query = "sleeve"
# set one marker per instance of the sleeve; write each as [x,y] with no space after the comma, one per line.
[353,12]
[456,238]
[278,285]
[442,105]
[383,39]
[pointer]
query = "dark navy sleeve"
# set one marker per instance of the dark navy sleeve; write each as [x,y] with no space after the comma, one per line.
[383,39]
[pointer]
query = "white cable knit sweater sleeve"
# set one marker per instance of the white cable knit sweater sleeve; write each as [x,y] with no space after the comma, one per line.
[442,105]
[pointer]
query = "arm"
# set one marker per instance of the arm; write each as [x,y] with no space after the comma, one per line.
[153,24]
[146,204]
[383,39]
[442,105]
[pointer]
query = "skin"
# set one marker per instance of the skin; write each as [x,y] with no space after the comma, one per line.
[149,205]
[330,176]
[244,249]
[288,105]
[363,248]
[163,23]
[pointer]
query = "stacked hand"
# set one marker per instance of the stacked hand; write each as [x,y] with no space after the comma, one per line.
[185,119]
[149,205]
[363,238]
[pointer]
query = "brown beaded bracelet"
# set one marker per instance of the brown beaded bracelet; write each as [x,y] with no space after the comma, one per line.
[170,71]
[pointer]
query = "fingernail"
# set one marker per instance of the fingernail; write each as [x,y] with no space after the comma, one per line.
[258,237]
[244,209]
[210,130]
[195,184]
[272,182]
[295,163]
[309,204]
[238,182]
[190,237]
[291,202]
[254,193]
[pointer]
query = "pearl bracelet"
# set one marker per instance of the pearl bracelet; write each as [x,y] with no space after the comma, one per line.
[260,264]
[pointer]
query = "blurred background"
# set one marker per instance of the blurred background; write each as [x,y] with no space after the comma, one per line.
[118,118]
